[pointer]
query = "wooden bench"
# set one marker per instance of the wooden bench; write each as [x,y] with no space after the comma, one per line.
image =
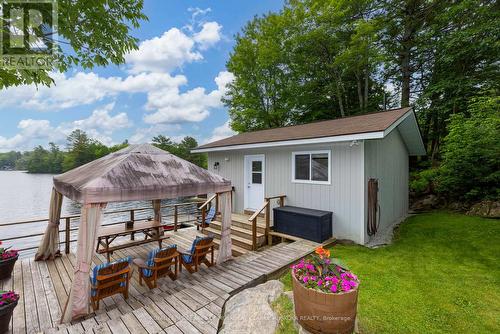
[108,234]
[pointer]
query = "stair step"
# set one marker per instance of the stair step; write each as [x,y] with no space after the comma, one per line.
[237,240]
[236,250]
[245,224]
[244,219]
[237,230]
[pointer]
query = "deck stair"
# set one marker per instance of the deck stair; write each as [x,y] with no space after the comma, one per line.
[241,232]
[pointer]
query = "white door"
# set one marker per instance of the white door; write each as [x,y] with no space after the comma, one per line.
[254,181]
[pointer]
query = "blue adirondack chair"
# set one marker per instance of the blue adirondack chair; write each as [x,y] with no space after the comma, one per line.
[192,259]
[208,218]
[109,279]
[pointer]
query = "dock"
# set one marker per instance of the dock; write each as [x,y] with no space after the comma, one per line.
[193,303]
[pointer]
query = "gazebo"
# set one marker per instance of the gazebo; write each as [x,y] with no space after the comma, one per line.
[137,172]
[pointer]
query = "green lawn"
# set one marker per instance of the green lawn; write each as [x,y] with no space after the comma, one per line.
[441,275]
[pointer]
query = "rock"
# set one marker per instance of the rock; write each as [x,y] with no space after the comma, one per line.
[250,310]
[489,209]
[426,203]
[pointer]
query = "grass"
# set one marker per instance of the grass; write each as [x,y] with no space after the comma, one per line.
[441,275]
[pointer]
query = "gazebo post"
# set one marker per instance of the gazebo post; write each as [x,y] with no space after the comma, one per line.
[77,304]
[137,172]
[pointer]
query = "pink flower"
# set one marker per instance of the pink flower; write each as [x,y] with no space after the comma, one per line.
[320,282]
[333,288]
[305,279]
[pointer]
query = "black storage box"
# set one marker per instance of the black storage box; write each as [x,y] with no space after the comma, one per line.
[310,224]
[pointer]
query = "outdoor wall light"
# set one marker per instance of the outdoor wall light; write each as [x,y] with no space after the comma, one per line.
[216,165]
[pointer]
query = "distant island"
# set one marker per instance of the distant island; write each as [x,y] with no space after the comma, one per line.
[80,149]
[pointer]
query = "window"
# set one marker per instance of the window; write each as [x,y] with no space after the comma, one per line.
[311,167]
[257,172]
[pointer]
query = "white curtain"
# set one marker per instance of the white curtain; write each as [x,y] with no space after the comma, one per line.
[157,214]
[225,248]
[77,304]
[49,246]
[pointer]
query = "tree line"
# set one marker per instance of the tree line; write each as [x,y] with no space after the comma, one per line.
[324,59]
[80,149]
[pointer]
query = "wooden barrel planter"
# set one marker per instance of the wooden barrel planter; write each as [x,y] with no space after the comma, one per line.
[6,267]
[320,312]
[5,316]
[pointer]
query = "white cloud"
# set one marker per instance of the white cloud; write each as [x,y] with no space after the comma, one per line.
[171,106]
[99,125]
[163,54]
[209,35]
[150,69]
[221,132]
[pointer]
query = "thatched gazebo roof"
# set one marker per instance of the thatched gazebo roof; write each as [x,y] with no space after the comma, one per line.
[137,172]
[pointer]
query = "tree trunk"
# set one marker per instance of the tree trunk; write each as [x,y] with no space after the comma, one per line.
[367,80]
[360,92]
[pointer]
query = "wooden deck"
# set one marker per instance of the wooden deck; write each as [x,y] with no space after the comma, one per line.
[191,304]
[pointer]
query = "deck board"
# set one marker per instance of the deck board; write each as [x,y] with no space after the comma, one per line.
[191,304]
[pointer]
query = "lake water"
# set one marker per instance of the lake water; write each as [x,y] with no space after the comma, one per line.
[25,196]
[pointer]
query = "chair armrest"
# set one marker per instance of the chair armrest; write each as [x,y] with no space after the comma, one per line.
[141,263]
[183,251]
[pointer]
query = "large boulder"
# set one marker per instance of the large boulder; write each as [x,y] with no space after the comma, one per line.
[489,209]
[250,310]
[426,203]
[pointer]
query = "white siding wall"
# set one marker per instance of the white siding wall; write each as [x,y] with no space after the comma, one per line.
[387,160]
[344,196]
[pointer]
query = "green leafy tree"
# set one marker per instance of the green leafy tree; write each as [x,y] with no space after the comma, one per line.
[470,170]
[314,60]
[81,149]
[8,160]
[92,33]
[38,160]
[182,149]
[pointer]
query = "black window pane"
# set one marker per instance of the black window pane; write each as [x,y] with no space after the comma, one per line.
[320,167]
[257,178]
[256,166]
[302,166]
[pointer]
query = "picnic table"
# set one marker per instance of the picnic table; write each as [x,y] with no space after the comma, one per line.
[108,234]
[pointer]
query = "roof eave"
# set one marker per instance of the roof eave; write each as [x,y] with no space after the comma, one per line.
[308,141]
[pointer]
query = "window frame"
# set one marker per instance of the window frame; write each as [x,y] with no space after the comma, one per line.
[310,153]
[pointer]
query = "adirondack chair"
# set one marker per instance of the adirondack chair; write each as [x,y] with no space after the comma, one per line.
[109,279]
[208,218]
[158,264]
[192,259]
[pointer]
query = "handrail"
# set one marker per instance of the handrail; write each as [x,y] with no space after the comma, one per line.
[68,229]
[203,209]
[267,215]
[207,201]
[39,220]
[253,220]
[256,213]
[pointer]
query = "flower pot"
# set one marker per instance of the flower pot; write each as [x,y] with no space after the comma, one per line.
[320,312]
[5,316]
[6,267]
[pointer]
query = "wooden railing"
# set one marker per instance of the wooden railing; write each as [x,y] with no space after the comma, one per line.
[266,208]
[132,217]
[204,207]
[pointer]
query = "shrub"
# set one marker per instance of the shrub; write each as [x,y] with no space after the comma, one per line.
[470,170]
[422,181]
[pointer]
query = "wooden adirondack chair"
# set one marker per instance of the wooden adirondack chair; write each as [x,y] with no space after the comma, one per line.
[158,264]
[109,279]
[208,219]
[192,259]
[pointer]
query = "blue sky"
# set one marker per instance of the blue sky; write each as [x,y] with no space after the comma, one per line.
[172,85]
